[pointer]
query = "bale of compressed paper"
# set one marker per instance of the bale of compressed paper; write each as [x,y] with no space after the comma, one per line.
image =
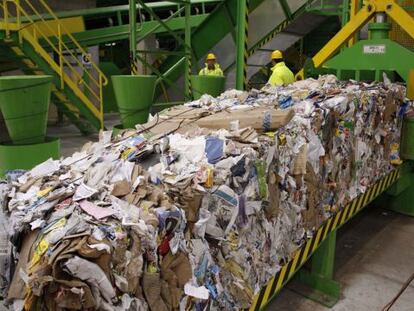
[193,212]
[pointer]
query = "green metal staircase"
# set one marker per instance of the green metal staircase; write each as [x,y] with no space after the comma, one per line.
[31,63]
[78,81]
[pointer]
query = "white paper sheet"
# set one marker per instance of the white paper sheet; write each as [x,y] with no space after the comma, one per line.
[197,292]
[48,167]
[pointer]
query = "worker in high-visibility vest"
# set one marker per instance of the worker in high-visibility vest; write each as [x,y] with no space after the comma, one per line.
[281,74]
[212,67]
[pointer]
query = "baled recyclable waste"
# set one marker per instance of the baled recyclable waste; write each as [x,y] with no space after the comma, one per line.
[198,208]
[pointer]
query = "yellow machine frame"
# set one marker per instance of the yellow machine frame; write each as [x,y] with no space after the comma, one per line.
[358,20]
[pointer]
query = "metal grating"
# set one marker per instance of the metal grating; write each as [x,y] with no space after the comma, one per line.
[399,35]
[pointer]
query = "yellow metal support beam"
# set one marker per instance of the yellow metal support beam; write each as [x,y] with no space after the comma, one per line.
[343,35]
[352,13]
[401,17]
[9,26]
[341,38]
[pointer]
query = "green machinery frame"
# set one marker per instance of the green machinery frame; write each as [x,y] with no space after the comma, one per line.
[380,10]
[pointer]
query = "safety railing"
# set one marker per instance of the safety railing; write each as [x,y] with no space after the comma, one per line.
[74,73]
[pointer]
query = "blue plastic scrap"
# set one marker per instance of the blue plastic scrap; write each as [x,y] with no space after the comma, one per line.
[214,149]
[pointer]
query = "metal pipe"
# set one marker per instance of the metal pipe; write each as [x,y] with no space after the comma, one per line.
[380,17]
[286,9]
[133,34]
[188,67]
[171,69]
[241,43]
[345,12]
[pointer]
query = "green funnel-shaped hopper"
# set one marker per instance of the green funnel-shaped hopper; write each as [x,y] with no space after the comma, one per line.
[24,102]
[134,95]
[212,85]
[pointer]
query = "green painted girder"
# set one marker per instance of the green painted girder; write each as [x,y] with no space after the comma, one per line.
[114,10]
[116,33]
[319,277]
[120,31]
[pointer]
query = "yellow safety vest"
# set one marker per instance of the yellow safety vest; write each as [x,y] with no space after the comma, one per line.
[281,75]
[211,72]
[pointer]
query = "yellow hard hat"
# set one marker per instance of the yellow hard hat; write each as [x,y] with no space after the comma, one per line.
[276,54]
[211,56]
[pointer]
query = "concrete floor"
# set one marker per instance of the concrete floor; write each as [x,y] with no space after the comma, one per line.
[374,258]
[375,253]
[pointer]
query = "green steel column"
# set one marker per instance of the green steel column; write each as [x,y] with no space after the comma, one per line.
[354,8]
[133,34]
[286,9]
[401,195]
[380,28]
[319,276]
[345,12]
[242,51]
[188,67]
